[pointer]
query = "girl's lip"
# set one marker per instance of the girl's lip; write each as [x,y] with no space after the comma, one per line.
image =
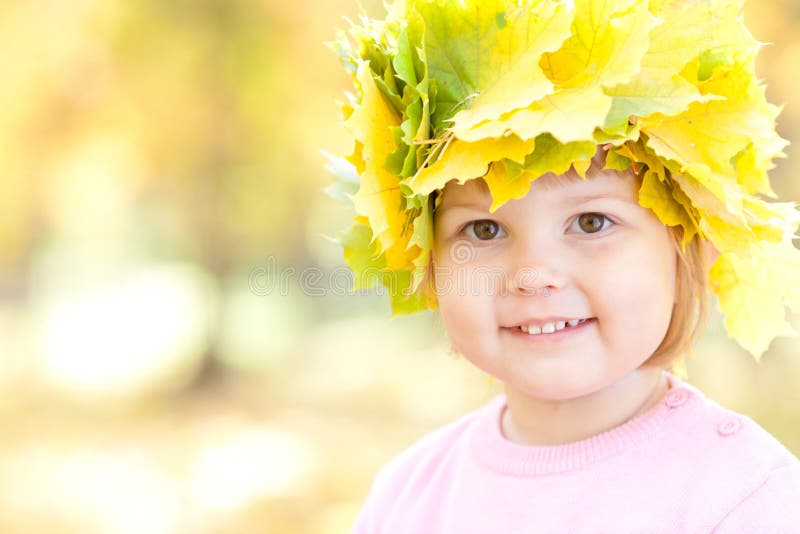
[558,335]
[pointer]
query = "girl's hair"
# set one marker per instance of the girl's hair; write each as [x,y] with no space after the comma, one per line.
[691,311]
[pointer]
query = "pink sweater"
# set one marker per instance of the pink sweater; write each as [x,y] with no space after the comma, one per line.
[687,465]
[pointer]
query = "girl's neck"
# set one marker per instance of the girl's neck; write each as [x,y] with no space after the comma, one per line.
[531,421]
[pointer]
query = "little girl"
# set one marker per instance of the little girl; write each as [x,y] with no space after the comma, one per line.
[567,182]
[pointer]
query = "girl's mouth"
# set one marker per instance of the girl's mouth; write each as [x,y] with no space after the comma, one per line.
[536,334]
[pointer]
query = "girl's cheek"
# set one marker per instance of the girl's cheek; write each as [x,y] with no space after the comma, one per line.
[439,250]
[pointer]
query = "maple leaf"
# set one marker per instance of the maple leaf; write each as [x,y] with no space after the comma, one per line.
[410,65]
[422,238]
[657,195]
[553,156]
[378,198]
[659,87]
[362,256]
[464,161]
[458,39]
[715,132]
[568,115]
[502,188]
[607,42]
[548,156]
[753,290]
[753,162]
[370,269]
[515,79]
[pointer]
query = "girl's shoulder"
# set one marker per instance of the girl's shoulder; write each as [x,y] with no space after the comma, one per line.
[729,455]
[756,476]
[717,431]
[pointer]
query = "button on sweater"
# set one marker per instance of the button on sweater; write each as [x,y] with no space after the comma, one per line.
[687,465]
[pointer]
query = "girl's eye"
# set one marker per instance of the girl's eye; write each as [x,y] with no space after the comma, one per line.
[591,223]
[484,230]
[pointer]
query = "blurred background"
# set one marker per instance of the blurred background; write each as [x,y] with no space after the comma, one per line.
[178,353]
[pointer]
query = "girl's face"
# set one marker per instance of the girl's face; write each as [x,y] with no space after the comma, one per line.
[570,249]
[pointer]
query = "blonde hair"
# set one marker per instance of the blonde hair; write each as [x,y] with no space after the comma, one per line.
[691,311]
[692,302]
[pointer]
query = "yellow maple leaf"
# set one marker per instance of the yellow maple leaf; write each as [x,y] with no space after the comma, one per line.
[712,193]
[636,151]
[548,157]
[752,292]
[713,133]
[464,161]
[772,221]
[569,115]
[378,198]
[752,165]
[514,62]
[422,238]
[552,156]
[608,42]
[658,87]
[657,196]
[502,189]
[688,208]
[725,236]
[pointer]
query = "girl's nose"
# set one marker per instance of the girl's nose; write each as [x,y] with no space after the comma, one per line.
[532,281]
[540,271]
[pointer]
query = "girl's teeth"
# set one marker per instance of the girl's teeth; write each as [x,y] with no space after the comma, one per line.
[549,328]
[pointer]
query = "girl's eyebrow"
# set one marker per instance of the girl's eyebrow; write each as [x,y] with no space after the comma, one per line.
[568,199]
[464,204]
[616,195]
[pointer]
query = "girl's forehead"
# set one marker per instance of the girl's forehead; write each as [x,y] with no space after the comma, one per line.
[600,183]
